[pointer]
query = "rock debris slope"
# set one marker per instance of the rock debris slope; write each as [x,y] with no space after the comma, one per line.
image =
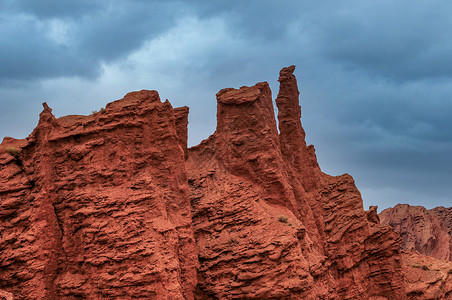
[114,206]
[426,277]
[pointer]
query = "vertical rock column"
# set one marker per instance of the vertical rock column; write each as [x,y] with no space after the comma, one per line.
[303,168]
[247,143]
[292,134]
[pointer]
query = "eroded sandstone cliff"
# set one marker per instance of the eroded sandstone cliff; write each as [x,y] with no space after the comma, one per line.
[427,231]
[96,207]
[114,206]
[268,223]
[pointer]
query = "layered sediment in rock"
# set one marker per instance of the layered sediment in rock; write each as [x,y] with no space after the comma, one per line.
[96,207]
[269,223]
[427,231]
[114,206]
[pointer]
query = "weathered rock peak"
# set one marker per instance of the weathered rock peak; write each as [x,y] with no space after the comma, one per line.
[114,206]
[277,225]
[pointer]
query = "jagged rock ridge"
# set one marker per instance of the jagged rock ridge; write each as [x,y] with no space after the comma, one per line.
[114,205]
[423,230]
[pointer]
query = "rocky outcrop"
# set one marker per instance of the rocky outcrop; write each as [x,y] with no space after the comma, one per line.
[96,207]
[268,223]
[422,230]
[114,206]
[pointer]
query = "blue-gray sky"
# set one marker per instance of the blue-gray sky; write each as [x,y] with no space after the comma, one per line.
[375,76]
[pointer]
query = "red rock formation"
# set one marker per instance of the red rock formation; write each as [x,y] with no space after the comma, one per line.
[445,216]
[426,231]
[267,221]
[97,207]
[114,206]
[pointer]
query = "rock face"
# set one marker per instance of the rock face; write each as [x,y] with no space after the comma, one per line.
[114,206]
[268,223]
[445,216]
[96,207]
[427,231]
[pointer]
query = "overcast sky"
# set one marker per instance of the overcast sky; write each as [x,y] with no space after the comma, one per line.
[375,76]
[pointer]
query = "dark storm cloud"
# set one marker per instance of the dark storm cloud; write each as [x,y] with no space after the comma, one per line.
[45,9]
[387,135]
[401,40]
[122,28]
[96,32]
[264,21]
[48,39]
[26,53]
[375,76]
[415,113]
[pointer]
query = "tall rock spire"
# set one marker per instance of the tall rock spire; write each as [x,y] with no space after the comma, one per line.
[292,135]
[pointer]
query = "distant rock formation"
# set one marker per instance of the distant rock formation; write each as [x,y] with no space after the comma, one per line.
[114,206]
[445,215]
[422,230]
